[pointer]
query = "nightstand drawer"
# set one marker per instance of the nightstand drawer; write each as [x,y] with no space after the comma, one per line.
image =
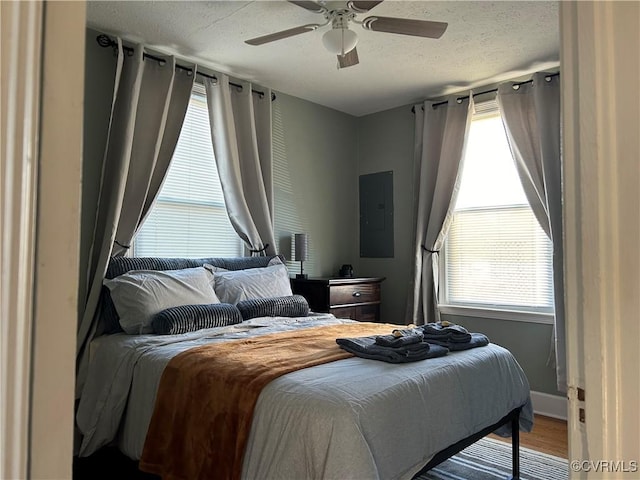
[356,298]
[363,313]
[344,312]
[354,294]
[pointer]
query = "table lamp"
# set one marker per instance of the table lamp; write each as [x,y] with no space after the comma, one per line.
[302,252]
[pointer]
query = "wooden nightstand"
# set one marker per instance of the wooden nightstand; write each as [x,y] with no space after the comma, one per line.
[354,298]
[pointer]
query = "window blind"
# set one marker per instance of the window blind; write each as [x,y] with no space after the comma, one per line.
[495,255]
[499,256]
[189,218]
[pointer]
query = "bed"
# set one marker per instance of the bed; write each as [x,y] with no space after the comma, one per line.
[352,418]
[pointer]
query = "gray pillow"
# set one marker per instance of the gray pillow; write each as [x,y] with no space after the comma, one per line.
[189,318]
[290,306]
[140,294]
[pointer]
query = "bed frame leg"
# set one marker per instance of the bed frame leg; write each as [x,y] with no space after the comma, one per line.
[515,446]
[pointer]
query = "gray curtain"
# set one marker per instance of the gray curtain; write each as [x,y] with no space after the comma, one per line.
[440,138]
[241,134]
[531,116]
[149,103]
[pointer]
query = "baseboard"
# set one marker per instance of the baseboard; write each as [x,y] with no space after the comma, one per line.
[549,405]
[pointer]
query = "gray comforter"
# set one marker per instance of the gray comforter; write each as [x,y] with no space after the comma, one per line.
[355,418]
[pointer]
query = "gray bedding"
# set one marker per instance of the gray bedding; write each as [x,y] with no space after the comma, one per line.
[354,418]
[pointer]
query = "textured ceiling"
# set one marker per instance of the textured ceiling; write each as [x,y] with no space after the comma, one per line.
[486,42]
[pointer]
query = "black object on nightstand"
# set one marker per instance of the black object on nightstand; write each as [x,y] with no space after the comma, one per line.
[354,298]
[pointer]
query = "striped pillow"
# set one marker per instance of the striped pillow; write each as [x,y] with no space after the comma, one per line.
[290,306]
[189,318]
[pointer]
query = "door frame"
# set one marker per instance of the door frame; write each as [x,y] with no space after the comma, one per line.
[600,52]
[42,122]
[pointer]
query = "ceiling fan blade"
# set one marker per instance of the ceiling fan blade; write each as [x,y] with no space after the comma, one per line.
[404,26]
[309,5]
[348,59]
[272,37]
[362,6]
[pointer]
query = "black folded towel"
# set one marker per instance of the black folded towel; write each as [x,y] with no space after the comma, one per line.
[477,340]
[445,330]
[400,338]
[366,347]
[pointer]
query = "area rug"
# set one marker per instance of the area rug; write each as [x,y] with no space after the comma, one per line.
[490,459]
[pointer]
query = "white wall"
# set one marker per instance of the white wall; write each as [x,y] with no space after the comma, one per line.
[601,104]
[21,35]
[58,237]
[42,86]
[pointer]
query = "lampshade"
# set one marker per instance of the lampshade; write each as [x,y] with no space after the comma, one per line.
[340,40]
[302,247]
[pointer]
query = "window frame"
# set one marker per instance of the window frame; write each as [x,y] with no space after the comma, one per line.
[197,89]
[542,315]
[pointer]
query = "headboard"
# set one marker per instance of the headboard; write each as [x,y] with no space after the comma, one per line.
[108,316]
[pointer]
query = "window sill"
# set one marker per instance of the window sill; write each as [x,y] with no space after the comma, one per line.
[478,312]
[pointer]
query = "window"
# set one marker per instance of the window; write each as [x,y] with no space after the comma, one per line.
[189,218]
[496,255]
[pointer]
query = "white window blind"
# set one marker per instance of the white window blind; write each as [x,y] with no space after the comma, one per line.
[189,218]
[496,255]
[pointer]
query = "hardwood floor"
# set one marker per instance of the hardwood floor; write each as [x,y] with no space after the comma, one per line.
[549,435]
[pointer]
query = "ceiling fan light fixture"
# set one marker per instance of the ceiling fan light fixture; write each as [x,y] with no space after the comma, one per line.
[340,40]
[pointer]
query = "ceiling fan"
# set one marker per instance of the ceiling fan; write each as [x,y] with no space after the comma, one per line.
[342,41]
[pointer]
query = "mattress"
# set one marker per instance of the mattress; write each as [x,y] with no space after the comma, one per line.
[354,418]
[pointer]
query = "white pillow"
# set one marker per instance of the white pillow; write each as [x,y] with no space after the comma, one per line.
[139,294]
[235,286]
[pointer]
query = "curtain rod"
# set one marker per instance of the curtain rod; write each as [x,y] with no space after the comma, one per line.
[493,90]
[104,41]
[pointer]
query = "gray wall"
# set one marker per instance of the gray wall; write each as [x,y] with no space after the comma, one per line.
[529,342]
[385,142]
[315,182]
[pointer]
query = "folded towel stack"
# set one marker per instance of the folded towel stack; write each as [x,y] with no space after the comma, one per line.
[445,332]
[477,340]
[400,338]
[414,343]
[454,337]
[367,347]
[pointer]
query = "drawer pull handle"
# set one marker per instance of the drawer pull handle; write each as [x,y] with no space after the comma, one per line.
[356,294]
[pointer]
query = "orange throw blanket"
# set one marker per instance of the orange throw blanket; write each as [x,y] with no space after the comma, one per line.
[205,401]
